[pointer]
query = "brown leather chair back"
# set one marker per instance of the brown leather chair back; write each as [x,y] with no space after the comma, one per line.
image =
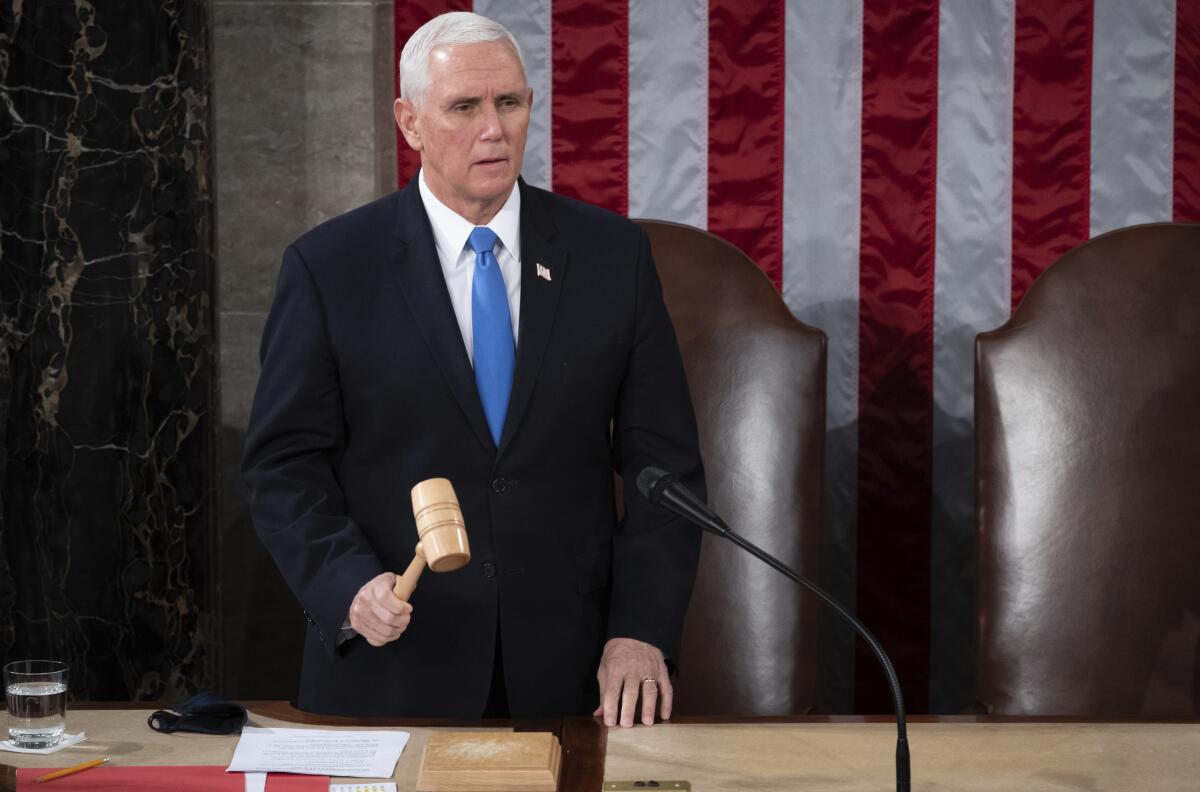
[757,379]
[1087,421]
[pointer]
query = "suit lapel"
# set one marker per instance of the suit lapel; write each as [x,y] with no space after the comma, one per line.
[539,301]
[424,288]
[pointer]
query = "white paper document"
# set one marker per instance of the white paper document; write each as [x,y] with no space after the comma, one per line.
[356,754]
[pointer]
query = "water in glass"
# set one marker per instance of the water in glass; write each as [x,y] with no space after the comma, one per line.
[36,696]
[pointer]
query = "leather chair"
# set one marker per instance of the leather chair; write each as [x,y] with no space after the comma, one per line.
[757,379]
[1087,421]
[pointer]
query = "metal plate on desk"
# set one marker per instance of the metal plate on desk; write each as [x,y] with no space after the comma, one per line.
[646,786]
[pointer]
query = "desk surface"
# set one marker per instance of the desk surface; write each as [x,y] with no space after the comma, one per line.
[123,735]
[801,753]
[963,756]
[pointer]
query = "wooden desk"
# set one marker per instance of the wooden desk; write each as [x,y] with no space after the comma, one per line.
[120,731]
[975,754]
[963,754]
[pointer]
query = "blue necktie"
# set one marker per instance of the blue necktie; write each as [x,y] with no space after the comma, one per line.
[491,331]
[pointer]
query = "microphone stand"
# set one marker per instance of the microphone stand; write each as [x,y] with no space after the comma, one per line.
[688,506]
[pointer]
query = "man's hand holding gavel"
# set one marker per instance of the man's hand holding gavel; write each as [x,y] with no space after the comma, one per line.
[377,614]
[380,611]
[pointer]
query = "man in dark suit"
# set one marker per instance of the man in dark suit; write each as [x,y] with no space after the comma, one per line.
[515,342]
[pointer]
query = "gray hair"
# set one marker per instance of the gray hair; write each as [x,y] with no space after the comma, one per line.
[455,27]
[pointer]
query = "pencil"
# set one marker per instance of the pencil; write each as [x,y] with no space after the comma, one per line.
[66,771]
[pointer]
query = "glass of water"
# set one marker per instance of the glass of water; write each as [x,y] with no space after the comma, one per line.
[36,693]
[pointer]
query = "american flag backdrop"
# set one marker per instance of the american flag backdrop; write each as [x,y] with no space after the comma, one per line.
[902,170]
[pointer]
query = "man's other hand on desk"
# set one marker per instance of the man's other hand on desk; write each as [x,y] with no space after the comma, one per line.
[629,668]
[377,614]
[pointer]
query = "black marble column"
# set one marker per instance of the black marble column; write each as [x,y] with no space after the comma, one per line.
[107,390]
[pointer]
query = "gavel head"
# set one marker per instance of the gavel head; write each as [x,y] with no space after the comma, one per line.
[440,525]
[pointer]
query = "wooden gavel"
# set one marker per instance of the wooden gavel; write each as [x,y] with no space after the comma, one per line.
[442,534]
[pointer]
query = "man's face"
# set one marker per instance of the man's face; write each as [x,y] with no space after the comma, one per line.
[470,126]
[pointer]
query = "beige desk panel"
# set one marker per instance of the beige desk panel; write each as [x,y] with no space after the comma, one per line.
[124,735]
[965,757]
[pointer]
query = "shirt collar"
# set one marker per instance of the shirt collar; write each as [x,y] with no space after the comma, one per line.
[451,230]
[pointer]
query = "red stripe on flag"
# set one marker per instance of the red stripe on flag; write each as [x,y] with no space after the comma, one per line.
[746,71]
[410,15]
[1052,127]
[895,430]
[1187,111]
[590,101]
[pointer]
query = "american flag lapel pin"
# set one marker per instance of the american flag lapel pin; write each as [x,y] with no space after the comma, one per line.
[543,271]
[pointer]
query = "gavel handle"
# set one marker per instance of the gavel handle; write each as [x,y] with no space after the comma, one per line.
[407,582]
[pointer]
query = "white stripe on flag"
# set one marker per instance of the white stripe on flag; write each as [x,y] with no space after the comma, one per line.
[1133,91]
[529,22]
[668,110]
[972,293]
[821,194]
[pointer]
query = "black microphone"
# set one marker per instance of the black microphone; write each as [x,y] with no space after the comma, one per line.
[659,486]
[664,489]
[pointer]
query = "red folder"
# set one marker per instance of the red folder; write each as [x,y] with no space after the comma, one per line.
[185,778]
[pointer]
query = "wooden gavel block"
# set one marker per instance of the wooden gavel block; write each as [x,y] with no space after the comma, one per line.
[442,532]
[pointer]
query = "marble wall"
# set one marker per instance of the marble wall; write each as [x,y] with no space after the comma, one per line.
[302,101]
[107,388]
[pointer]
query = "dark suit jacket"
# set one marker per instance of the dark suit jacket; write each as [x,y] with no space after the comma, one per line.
[366,389]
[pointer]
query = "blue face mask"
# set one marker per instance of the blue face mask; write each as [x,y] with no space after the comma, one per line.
[203,713]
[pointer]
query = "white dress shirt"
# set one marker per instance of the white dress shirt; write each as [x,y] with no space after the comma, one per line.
[450,233]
